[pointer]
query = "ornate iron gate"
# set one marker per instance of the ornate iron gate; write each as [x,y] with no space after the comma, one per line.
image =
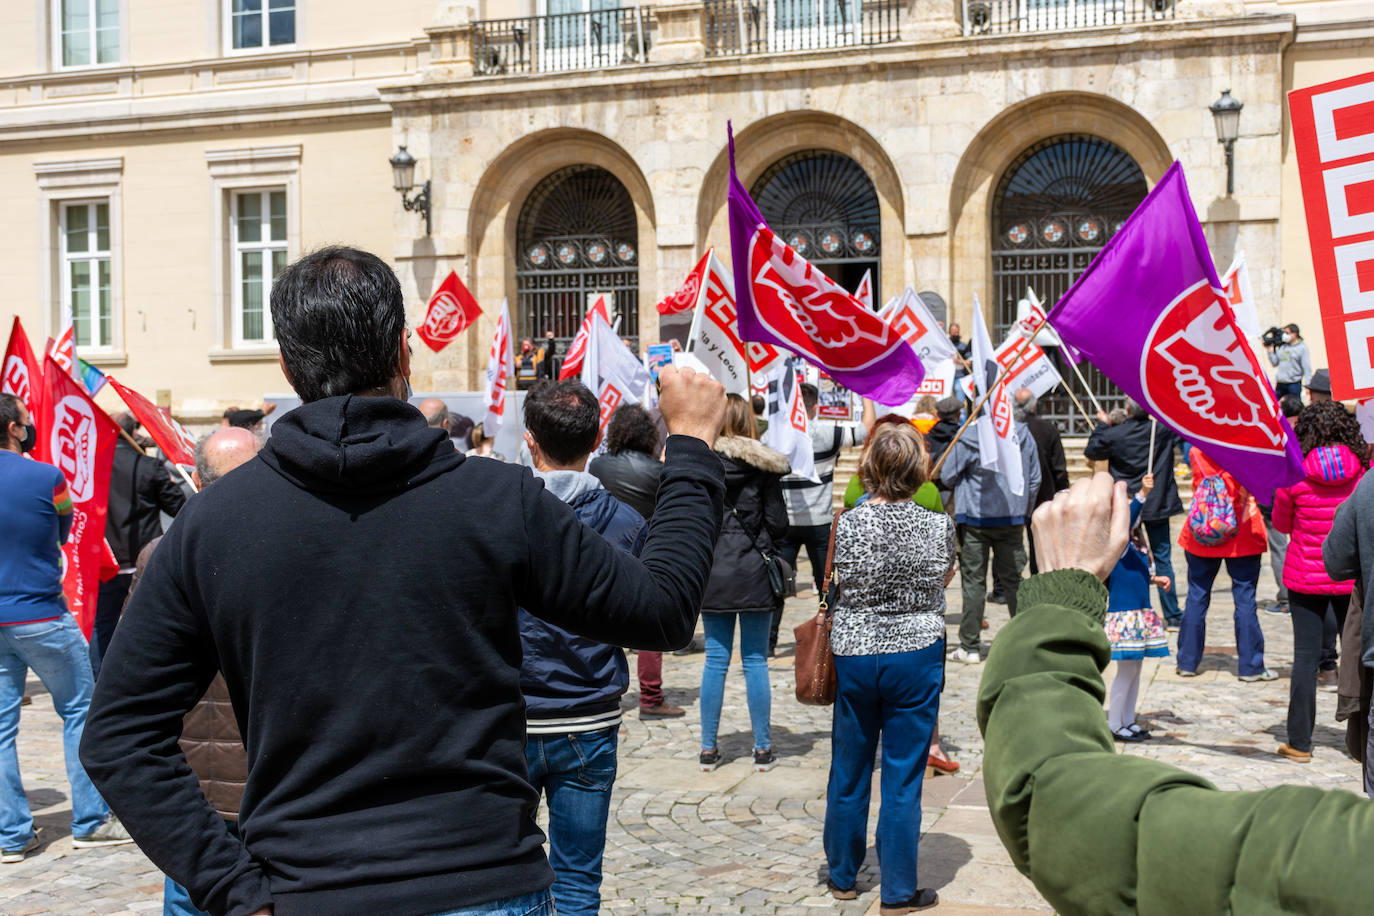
[1053,211]
[577,236]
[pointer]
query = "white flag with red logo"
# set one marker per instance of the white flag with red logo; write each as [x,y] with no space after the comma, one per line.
[176,443]
[80,441]
[865,291]
[451,309]
[909,317]
[618,376]
[788,428]
[500,361]
[577,350]
[714,337]
[1236,284]
[997,447]
[20,375]
[1026,365]
[63,351]
[687,294]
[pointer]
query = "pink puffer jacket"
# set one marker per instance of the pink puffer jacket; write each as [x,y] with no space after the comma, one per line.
[1305,511]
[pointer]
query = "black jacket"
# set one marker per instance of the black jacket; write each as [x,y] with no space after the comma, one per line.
[632,477]
[753,486]
[141,489]
[1054,468]
[1124,448]
[357,584]
[939,438]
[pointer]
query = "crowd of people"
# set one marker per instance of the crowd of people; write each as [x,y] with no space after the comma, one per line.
[206,720]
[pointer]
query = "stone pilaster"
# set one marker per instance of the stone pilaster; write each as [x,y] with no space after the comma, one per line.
[681,33]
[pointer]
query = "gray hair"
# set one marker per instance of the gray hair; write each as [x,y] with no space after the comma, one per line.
[211,471]
[1134,410]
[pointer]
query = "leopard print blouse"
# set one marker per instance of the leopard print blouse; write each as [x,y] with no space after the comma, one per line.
[891,560]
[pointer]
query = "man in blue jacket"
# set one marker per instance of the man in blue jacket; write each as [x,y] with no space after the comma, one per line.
[572,685]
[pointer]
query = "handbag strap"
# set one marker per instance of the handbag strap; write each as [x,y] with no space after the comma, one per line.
[830,563]
[752,540]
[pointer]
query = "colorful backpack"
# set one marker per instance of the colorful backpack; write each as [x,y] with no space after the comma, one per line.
[1212,515]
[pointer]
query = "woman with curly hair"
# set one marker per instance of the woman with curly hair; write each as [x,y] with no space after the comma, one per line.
[1336,458]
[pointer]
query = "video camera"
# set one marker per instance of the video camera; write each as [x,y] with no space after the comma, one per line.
[1272,337]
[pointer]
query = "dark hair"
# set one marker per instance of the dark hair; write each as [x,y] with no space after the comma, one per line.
[460,428]
[125,421]
[10,412]
[810,395]
[1329,423]
[894,463]
[340,318]
[631,429]
[1291,405]
[758,404]
[563,417]
[1294,329]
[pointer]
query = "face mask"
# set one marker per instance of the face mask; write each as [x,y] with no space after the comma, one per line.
[30,439]
[1286,338]
[954,338]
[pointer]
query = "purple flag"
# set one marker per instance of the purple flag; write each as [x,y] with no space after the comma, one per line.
[783,300]
[1151,314]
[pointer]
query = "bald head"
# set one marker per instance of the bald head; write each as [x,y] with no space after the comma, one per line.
[435,411]
[220,452]
[1025,400]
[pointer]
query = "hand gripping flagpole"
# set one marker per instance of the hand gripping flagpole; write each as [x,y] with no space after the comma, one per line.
[973,414]
[180,470]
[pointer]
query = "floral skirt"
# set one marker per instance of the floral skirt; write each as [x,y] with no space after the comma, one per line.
[1137,634]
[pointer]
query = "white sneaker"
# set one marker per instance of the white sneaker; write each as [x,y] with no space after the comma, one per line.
[110,833]
[968,658]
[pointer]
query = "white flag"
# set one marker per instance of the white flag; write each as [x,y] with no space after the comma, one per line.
[997,446]
[619,377]
[1027,366]
[909,317]
[500,361]
[865,291]
[788,429]
[1236,283]
[714,337]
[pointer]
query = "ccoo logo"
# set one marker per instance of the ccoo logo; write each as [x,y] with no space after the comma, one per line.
[73,444]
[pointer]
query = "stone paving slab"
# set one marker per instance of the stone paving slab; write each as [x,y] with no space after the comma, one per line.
[733,841]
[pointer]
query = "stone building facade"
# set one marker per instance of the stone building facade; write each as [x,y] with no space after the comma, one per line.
[969,148]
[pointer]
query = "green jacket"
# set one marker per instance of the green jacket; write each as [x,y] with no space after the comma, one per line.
[1099,832]
[926,495]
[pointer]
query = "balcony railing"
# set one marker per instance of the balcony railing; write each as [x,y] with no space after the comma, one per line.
[563,41]
[996,17]
[760,26]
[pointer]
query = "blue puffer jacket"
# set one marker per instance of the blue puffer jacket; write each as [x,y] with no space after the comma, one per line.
[571,683]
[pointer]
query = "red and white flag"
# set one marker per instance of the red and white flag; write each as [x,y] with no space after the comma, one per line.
[617,377]
[909,317]
[788,428]
[63,351]
[80,442]
[997,447]
[178,445]
[1236,284]
[577,350]
[687,294]
[714,338]
[1027,366]
[865,291]
[451,309]
[500,362]
[20,375]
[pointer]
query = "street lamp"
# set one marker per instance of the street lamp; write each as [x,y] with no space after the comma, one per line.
[1226,114]
[403,179]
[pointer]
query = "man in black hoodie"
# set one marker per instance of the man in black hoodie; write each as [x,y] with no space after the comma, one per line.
[378,693]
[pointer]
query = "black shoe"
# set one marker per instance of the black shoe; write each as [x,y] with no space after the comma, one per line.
[1126,734]
[996,598]
[709,760]
[925,899]
[764,761]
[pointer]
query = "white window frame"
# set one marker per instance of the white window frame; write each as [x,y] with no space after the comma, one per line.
[265,246]
[227,31]
[94,255]
[232,171]
[54,9]
[74,181]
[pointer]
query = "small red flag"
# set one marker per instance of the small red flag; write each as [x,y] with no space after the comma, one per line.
[577,351]
[451,309]
[20,375]
[176,443]
[685,298]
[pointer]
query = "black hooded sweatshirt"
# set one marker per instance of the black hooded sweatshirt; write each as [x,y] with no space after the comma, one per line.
[357,584]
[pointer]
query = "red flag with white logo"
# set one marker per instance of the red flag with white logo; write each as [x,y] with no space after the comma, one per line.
[20,375]
[687,294]
[577,350]
[176,443]
[451,309]
[80,441]
[500,362]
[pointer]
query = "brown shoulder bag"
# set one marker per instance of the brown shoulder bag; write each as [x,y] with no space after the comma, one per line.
[815,663]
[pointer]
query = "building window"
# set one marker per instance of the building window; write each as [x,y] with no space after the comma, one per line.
[261,23]
[87,32]
[84,232]
[258,237]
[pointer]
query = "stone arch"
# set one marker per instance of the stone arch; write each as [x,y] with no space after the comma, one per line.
[1000,143]
[508,180]
[764,142]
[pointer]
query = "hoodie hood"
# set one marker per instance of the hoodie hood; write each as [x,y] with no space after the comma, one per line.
[749,456]
[1331,464]
[568,485]
[357,445]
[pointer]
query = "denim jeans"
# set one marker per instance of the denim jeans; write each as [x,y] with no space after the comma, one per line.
[753,642]
[109,605]
[896,698]
[1161,549]
[1192,634]
[58,655]
[575,772]
[540,903]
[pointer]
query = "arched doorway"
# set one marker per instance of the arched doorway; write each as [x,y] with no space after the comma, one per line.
[576,237]
[824,205]
[1054,209]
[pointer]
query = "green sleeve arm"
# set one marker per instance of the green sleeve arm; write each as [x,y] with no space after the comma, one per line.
[1101,833]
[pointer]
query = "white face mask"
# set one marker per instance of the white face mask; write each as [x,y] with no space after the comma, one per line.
[1286,338]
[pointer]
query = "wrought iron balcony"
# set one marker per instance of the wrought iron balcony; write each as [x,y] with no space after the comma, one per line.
[563,41]
[997,17]
[763,26]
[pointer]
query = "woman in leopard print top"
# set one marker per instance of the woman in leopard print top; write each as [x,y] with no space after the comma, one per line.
[893,559]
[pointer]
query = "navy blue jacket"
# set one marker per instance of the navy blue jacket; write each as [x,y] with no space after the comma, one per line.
[564,676]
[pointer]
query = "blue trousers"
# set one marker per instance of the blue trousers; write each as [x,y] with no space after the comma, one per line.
[1192,634]
[1161,549]
[753,643]
[896,698]
[575,772]
[537,904]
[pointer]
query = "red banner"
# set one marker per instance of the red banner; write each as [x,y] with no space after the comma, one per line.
[685,299]
[64,351]
[176,443]
[19,374]
[577,350]
[80,442]
[1333,140]
[451,309]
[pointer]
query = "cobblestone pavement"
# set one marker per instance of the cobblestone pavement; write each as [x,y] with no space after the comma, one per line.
[735,841]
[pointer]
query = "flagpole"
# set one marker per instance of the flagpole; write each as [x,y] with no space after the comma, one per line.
[1088,391]
[1154,427]
[1036,303]
[180,470]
